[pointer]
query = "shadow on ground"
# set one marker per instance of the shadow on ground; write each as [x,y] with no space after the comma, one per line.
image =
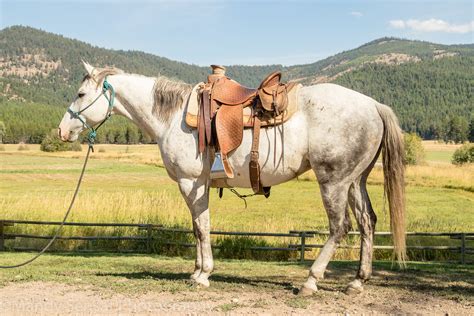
[217,277]
[443,280]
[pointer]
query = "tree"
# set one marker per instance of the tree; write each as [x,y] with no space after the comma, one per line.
[110,136]
[471,130]
[3,131]
[52,143]
[132,135]
[414,151]
[464,154]
[456,130]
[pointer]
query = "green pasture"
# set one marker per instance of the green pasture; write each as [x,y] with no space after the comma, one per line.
[128,184]
[439,156]
[49,181]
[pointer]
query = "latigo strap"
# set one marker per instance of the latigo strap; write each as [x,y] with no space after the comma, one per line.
[254,166]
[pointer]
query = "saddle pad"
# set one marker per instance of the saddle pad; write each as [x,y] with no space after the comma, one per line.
[192,109]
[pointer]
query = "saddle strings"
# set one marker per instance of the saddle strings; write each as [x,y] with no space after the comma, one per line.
[242,196]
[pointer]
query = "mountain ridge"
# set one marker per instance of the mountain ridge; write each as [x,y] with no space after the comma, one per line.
[423,82]
[173,69]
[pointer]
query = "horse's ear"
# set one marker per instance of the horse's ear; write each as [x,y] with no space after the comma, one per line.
[88,67]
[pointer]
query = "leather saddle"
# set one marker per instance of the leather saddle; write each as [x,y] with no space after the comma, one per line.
[221,121]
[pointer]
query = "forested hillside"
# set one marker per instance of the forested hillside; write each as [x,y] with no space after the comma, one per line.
[388,51]
[425,95]
[427,84]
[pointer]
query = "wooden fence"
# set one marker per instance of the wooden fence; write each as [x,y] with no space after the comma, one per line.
[302,236]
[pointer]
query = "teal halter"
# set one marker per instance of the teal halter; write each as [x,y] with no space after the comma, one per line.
[106,86]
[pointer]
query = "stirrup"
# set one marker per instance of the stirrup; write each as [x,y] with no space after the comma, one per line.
[217,169]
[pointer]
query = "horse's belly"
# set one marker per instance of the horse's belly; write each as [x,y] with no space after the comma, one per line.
[281,158]
[270,175]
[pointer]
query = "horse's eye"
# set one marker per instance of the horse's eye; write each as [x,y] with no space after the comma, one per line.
[81,94]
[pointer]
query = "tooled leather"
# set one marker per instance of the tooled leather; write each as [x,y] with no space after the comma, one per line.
[229,127]
[271,80]
[229,92]
[266,96]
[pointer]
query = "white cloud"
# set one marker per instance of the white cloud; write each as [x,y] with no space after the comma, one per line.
[432,25]
[398,24]
[357,14]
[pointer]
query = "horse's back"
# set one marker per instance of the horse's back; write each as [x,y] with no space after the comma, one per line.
[337,97]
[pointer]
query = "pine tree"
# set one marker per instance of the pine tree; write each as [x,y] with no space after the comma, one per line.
[3,131]
[471,130]
[456,130]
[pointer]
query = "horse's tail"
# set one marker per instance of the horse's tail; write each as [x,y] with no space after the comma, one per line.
[393,154]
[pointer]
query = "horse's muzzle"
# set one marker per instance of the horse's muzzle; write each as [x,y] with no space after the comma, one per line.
[64,136]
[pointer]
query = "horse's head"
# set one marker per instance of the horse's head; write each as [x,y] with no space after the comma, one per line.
[90,107]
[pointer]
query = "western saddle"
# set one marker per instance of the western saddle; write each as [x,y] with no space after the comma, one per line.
[221,124]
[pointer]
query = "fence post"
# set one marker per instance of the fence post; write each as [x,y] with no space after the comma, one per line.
[2,236]
[303,246]
[148,237]
[463,248]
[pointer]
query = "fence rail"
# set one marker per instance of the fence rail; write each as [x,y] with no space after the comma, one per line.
[300,247]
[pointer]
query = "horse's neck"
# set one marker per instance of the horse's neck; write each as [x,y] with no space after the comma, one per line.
[135,101]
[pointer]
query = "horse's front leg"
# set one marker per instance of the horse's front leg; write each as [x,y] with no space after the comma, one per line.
[196,195]
[198,261]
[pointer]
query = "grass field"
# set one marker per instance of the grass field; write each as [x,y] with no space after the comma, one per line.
[129,184]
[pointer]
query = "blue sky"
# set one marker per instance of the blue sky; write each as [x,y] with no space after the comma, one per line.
[244,32]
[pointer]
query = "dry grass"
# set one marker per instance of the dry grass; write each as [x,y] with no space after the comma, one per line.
[437,171]
[142,154]
[133,207]
[433,174]
[433,145]
[128,184]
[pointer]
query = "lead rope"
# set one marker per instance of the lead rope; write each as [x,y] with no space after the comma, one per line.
[91,140]
[58,231]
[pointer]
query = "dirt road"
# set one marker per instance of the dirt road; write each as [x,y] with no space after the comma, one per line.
[48,298]
[150,285]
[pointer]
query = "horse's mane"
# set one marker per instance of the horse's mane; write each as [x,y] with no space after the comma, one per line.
[168,94]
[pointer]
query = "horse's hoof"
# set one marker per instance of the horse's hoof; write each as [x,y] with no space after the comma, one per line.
[304,291]
[202,282]
[307,290]
[354,288]
[195,275]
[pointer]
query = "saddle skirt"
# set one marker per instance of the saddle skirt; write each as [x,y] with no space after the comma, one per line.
[192,109]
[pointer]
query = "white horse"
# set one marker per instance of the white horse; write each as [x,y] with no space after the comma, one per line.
[336,132]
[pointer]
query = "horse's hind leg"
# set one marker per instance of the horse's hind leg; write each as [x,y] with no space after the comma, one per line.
[334,197]
[366,219]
